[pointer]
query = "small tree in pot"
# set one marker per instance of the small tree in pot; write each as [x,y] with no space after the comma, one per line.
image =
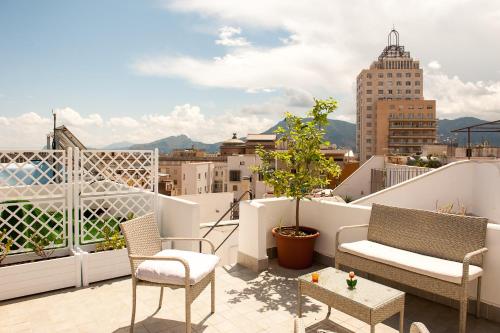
[302,168]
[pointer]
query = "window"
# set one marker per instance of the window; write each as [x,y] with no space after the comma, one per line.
[369,100]
[369,76]
[389,74]
[408,91]
[399,91]
[408,74]
[390,91]
[175,181]
[205,175]
[368,124]
[369,92]
[369,115]
[242,162]
[380,83]
[380,92]
[408,83]
[380,75]
[368,140]
[417,74]
[369,83]
[369,107]
[417,83]
[183,176]
[234,175]
[389,83]
[398,83]
[235,187]
[216,173]
[399,75]
[417,91]
[199,176]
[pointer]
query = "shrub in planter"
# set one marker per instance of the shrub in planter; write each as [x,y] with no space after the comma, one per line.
[303,168]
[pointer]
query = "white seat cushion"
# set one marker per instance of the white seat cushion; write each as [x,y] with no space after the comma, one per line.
[173,272]
[441,269]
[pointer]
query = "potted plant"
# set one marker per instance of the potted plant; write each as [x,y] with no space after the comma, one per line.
[302,169]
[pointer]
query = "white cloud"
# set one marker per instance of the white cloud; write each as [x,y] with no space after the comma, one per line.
[29,130]
[228,37]
[329,42]
[456,97]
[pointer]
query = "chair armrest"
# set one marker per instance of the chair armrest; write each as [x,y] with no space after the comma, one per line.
[417,327]
[212,247]
[337,236]
[466,263]
[166,258]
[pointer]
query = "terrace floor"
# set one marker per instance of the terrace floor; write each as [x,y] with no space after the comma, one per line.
[245,302]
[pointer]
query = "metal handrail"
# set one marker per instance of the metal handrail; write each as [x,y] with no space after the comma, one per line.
[215,225]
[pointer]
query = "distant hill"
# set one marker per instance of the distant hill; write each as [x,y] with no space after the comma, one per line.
[339,132]
[119,145]
[447,125]
[170,143]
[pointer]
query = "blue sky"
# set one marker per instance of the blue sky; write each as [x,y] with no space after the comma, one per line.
[142,70]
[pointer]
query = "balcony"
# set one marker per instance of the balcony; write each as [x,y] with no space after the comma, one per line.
[253,294]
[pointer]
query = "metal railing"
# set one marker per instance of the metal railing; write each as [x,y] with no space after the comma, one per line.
[236,225]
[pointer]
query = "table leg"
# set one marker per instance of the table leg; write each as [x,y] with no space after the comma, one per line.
[299,300]
[329,312]
[401,320]
[372,328]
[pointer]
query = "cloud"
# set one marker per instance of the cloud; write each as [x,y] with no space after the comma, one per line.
[328,43]
[95,131]
[456,97]
[227,37]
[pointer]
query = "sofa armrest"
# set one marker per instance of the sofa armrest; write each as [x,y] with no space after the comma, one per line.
[193,239]
[466,263]
[337,236]
[165,258]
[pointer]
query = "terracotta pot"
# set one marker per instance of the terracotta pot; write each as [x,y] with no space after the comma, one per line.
[295,252]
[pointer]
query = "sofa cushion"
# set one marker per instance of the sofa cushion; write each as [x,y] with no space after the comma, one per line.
[173,272]
[441,269]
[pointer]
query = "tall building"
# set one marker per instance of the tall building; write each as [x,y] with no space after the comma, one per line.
[392,116]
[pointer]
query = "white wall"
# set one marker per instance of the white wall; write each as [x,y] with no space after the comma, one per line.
[358,184]
[476,184]
[212,205]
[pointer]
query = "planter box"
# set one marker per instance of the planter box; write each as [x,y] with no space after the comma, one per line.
[37,277]
[99,266]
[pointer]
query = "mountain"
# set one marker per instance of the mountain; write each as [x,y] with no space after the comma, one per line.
[118,145]
[338,132]
[341,133]
[170,143]
[445,126]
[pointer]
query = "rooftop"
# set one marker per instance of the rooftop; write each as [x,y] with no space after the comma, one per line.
[245,302]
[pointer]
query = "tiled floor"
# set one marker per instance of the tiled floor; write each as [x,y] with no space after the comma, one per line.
[245,302]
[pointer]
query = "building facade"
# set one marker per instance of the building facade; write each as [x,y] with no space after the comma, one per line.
[392,115]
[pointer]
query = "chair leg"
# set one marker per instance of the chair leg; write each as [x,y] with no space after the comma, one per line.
[134,296]
[212,291]
[188,311]
[478,298]
[463,314]
[161,299]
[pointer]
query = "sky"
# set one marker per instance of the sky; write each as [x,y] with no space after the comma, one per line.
[138,71]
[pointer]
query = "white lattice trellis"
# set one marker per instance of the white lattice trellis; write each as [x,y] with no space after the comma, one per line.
[21,220]
[112,186]
[33,174]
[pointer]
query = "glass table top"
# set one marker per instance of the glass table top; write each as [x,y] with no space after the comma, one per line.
[367,293]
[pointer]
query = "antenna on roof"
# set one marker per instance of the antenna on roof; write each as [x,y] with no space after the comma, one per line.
[54,115]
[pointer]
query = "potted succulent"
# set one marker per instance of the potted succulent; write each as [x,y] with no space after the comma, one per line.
[302,169]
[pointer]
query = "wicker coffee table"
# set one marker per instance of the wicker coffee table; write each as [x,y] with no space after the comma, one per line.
[370,302]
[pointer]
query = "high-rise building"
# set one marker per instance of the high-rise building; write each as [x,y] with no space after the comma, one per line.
[392,115]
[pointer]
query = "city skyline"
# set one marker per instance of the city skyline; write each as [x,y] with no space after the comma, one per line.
[127,71]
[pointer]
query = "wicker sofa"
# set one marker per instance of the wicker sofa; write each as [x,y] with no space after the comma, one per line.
[434,252]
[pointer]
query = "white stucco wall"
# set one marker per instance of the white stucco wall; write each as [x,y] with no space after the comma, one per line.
[358,184]
[475,184]
[212,205]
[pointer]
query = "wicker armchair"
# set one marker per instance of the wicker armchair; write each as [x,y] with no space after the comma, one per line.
[299,327]
[417,327]
[144,247]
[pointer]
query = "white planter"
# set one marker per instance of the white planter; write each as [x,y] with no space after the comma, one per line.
[99,266]
[37,277]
